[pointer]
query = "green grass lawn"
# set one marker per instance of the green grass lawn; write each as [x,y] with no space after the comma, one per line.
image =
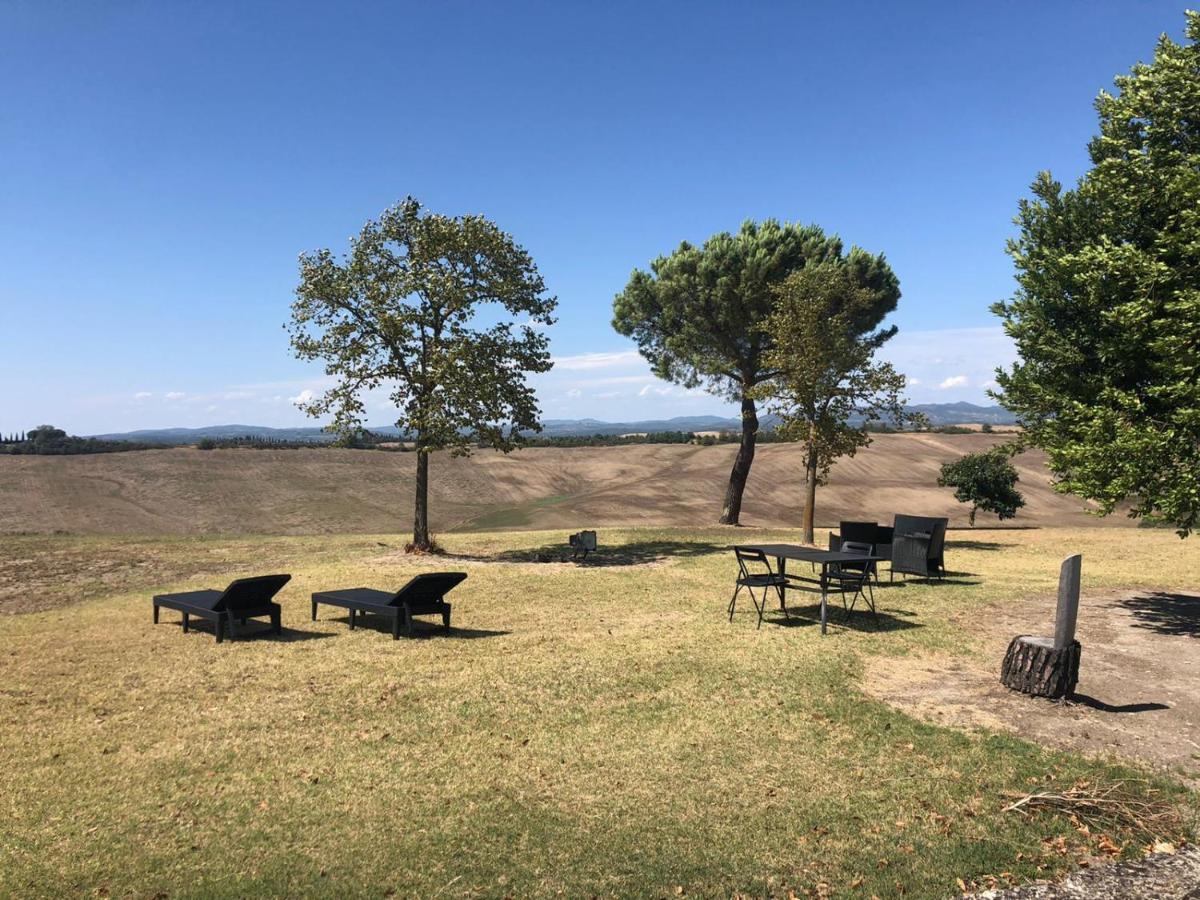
[594,730]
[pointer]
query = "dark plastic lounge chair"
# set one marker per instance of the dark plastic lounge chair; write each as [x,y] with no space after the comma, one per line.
[424,595]
[246,598]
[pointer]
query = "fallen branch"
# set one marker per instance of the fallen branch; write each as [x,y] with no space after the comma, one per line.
[1112,806]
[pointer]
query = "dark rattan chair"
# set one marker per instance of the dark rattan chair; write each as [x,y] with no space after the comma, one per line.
[918,546]
[424,595]
[854,578]
[246,598]
[755,572]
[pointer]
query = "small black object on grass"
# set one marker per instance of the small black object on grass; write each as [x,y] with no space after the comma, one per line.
[582,543]
[424,595]
[246,598]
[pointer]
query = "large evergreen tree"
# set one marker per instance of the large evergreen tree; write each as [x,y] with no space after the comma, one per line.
[401,313]
[1106,319]
[699,316]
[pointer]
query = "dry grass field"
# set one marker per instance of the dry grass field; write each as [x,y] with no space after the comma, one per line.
[188,491]
[595,730]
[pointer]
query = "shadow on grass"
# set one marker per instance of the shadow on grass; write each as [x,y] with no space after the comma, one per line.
[976,545]
[254,631]
[1166,613]
[950,579]
[859,620]
[638,553]
[1093,703]
[421,629]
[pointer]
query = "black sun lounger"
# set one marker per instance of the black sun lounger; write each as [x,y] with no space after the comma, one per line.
[246,598]
[424,595]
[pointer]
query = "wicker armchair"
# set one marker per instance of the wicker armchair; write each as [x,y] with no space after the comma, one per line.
[918,546]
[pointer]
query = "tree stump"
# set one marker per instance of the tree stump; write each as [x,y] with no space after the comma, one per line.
[1033,665]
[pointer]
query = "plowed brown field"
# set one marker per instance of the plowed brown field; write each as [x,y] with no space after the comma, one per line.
[188,491]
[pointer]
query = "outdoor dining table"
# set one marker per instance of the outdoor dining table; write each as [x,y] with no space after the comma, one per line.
[823,558]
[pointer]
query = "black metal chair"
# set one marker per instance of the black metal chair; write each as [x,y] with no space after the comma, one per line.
[918,547]
[246,598]
[854,578]
[423,595]
[765,578]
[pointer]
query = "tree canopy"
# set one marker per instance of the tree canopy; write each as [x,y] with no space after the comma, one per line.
[827,387]
[699,315]
[1106,318]
[441,313]
[986,480]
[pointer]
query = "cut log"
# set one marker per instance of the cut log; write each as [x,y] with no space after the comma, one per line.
[1034,666]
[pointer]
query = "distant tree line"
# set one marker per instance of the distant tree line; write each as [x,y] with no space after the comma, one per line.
[362,439]
[255,442]
[46,440]
[619,440]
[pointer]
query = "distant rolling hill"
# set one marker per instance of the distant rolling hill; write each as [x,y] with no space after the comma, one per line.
[327,490]
[937,413]
[964,414]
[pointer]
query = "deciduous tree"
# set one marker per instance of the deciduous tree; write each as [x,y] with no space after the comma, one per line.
[827,387]
[1106,319]
[986,480]
[440,312]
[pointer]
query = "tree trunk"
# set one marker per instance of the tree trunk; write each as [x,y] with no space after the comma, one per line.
[810,490]
[420,539]
[741,464]
[1032,665]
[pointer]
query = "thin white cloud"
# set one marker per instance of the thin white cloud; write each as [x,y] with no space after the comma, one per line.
[615,384]
[932,360]
[613,380]
[954,381]
[588,361]
[661,390]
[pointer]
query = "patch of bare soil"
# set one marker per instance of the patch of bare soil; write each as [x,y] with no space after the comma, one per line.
[1139,680]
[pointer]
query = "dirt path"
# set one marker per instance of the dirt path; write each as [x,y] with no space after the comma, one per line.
[1139,684]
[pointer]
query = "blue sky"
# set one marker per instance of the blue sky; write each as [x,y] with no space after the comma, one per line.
[162,165]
